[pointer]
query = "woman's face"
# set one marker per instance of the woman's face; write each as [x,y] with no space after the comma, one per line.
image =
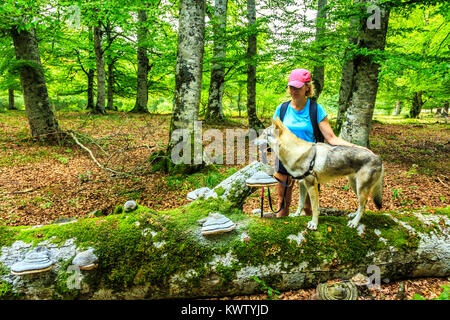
[297,92]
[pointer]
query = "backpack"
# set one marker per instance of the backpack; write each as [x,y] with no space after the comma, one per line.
[318,136]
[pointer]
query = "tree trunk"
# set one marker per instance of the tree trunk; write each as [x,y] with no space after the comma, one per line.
[143,65]
[11,105]
[345,91]
[41,118]
[233,190]
[214,111]
[417,104]
[90,89]
[318,75]
[444,111]
[188,85]
[90,73]
[152,255]
[111,60]
[239,100]
[356,127]
[110,104]
[101,75]
[253,120]
[397,108]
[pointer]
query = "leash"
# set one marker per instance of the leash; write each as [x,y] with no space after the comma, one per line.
[286,185]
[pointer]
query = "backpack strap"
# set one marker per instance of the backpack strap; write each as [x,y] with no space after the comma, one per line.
[318,136]
[283,110]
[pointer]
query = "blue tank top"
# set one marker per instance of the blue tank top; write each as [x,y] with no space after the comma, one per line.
[299,122]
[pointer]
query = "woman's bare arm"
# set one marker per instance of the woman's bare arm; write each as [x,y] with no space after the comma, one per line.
[331,138]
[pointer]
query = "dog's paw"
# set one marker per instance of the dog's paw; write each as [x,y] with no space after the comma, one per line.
[303,213]
[312,225]
[352,215]
[353,224]
[299,213]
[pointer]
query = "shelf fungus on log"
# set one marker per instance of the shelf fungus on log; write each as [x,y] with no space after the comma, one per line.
[36,260]
[146,254]
[86,260]
[216,223]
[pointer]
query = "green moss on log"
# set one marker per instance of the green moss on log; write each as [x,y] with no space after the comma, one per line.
[148,247]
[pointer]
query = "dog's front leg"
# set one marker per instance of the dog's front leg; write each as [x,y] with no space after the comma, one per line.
[314,196]
[303,192]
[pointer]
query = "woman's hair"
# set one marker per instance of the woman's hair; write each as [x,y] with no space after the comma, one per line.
[309,89]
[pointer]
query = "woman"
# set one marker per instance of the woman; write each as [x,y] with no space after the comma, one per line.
[297,119]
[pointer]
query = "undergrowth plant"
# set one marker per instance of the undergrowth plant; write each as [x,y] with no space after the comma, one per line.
[272,294]
[443,296]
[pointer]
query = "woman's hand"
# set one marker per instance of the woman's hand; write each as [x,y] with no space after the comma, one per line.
[331,138]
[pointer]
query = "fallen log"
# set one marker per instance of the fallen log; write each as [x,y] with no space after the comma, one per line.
[146,254]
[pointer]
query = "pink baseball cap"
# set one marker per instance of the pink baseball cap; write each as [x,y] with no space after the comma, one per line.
[298,77]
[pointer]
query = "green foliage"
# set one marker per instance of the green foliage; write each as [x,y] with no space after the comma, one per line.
[60,158]
[85,176]
[272,294]
[415,58]
[445,294]
[396,194]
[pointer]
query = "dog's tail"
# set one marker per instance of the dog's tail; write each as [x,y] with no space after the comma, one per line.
[377,190]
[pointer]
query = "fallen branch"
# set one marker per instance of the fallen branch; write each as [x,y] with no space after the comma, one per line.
[92,156]
[442,182]
[21,192]
[139,168]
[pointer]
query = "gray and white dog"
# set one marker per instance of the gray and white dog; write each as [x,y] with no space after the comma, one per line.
[314,163]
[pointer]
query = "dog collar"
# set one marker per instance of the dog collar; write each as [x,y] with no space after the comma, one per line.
[311,165]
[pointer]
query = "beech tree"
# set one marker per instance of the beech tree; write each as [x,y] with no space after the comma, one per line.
[8,75]
[346,75]
[417,103]
[100,64]
[41,118]
[143,63]
[366,64]
[188,83]
[214,110]
[253,121]
[318,74]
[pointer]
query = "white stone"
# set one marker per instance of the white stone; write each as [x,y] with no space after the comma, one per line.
[199,193]
[159,244]
[299,238]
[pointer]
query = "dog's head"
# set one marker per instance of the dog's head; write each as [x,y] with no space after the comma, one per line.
[269,137]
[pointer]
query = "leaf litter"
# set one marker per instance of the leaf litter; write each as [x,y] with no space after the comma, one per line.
[40,183]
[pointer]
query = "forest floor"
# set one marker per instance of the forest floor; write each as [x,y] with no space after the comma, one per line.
[40,183]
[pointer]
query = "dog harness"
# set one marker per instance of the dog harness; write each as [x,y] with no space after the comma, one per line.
[311,166]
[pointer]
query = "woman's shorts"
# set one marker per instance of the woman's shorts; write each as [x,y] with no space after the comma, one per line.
[281,169]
